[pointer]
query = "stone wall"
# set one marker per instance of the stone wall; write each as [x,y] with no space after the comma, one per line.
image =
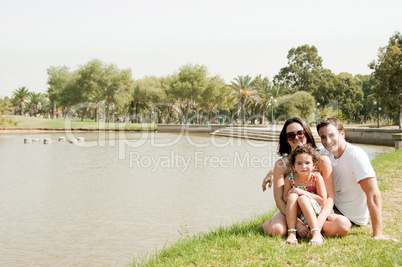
[372,136]
[190,128]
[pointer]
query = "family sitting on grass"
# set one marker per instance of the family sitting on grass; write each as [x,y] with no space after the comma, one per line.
[321,194]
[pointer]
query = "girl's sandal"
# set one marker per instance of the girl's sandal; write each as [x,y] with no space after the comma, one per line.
[314,241]
[292,241]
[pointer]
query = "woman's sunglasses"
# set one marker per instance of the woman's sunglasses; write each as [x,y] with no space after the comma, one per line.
[291,136]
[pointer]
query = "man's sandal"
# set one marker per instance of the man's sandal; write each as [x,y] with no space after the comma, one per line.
[292,241]
[314,241]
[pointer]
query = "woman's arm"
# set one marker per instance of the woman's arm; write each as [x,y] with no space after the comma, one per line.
[286,189]
[279,183]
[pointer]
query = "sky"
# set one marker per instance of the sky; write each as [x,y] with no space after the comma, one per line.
[155,37]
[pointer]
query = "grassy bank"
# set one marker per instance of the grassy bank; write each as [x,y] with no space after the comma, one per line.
[24,123]
[245,244]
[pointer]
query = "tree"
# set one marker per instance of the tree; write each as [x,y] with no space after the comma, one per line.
[91,84]
[21,94]
[123,91]
[70,94]
[145,94]
[325,89]
[213,96]
[306,73]
[167,109]
[277,90]
[303,70]
[15,103]
[242,85]
[187,87]
[59,77]
[265,91]
[388,76]
[34,100]
[349,96]
[139,102]
[117,84]
[369,109]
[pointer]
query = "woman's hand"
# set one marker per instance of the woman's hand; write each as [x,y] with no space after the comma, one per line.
[302,229]
[268,180]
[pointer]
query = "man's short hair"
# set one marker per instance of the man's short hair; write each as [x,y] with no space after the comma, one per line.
[330,121]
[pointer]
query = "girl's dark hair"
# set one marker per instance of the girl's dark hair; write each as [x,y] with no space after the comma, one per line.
[284,147]
[307,149]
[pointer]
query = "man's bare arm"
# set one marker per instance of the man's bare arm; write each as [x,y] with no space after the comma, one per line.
[370,188]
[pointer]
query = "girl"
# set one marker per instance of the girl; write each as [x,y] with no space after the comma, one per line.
[304,193]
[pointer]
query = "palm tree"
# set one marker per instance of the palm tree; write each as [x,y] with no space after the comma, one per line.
[35,99]
[21,94]
[242,85]
[266,91]
[277,90]
[15,103]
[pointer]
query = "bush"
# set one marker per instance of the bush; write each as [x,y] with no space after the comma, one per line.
[5,121]
[332,112]
[299,104]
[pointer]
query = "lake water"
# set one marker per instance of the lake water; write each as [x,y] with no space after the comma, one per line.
[119,196]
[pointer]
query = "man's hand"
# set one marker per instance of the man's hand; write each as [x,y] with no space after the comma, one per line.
[386,238]
[268,180]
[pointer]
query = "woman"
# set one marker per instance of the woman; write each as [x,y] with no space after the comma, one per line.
[295,132]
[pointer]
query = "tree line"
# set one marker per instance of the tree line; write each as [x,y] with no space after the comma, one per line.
[303,88]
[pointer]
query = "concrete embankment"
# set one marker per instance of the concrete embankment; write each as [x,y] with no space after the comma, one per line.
[269,133]
[190,128]
[372,136]
[359,135]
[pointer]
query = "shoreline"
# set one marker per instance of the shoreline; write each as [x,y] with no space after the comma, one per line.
[46,130]
[357,135]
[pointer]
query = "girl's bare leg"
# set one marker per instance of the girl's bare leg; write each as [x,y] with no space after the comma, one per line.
[291,217]
[309,214]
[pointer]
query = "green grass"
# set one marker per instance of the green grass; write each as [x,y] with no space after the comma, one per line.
[245,244]
[22,122]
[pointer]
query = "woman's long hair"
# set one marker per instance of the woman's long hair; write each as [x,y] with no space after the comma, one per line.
[284,147]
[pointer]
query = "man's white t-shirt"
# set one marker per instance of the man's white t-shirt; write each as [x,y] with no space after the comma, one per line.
[352,167]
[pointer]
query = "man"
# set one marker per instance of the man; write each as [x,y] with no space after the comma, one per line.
[356,191]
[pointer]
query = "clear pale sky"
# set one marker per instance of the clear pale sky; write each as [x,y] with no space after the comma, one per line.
[156,37]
